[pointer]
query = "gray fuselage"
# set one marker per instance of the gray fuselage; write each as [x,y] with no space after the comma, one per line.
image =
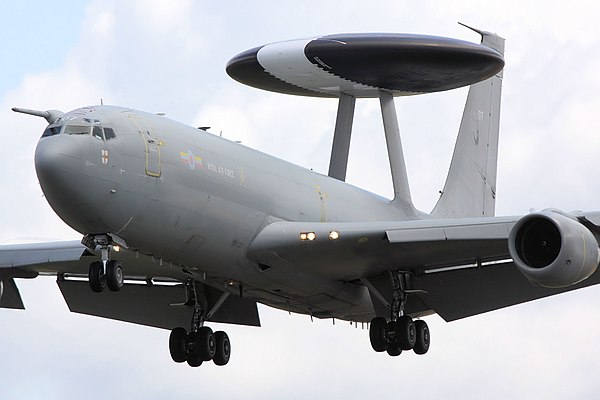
[196,201]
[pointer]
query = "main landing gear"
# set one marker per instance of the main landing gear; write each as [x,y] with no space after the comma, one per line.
[401,332]
[106,272]
[201,343]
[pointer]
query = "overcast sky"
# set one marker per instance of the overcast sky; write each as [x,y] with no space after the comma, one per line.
[170,56]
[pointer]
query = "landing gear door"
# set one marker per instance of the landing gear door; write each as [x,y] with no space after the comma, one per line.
[151,145]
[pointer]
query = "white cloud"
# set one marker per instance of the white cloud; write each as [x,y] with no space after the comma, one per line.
[170,56]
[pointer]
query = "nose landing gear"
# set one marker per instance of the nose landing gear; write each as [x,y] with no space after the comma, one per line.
[106,272]
[401,332]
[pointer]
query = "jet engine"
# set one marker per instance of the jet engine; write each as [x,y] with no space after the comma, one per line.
[553,250]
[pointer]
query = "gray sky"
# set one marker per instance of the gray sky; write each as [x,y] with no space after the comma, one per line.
[169,56]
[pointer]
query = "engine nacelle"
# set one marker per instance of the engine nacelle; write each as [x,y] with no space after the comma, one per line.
[553,250]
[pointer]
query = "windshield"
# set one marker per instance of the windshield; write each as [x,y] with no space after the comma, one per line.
[77,130]
[96,130]
[52,130]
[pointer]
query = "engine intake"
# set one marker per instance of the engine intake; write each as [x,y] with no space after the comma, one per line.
[553,250]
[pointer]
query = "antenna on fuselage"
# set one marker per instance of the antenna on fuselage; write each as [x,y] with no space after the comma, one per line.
[50,115]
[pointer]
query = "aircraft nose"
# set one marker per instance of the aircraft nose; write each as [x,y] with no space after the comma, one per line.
[57,158]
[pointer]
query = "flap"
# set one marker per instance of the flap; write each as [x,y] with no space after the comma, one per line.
[150,305]
[9,295]
[462,293]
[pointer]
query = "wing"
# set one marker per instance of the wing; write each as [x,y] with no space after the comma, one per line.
[459,267]
[152,294]
[354,250]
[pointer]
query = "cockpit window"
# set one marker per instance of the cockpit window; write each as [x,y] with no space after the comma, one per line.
[97,132]
[109,133]
[77,130]
[52,130]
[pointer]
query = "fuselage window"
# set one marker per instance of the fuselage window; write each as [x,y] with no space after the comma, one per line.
[109,133]
[52,130]
[97,132]
[77,130]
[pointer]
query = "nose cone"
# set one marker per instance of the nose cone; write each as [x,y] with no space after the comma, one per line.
[57,158]
[58,165]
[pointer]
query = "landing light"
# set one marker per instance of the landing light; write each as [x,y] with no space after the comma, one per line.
[334,235]
[308,236]
[117,248]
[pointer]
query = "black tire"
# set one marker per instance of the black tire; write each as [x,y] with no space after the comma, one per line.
[194,349]
[97,277]
[177,345]
[406,333]
[393,349]
[223,349]
[194,360]
[114,275]
[377,334]
[207,343]
[423,337]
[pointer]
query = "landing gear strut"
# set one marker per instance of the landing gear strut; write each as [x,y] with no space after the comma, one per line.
[401,332]
[200,344]
[106,272]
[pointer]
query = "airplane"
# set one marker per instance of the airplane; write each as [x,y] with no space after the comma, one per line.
[185,227]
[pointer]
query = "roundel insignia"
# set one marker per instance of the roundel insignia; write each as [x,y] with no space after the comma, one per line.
[191,160]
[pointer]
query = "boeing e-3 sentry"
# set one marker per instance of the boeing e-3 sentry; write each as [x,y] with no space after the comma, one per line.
[182,227]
